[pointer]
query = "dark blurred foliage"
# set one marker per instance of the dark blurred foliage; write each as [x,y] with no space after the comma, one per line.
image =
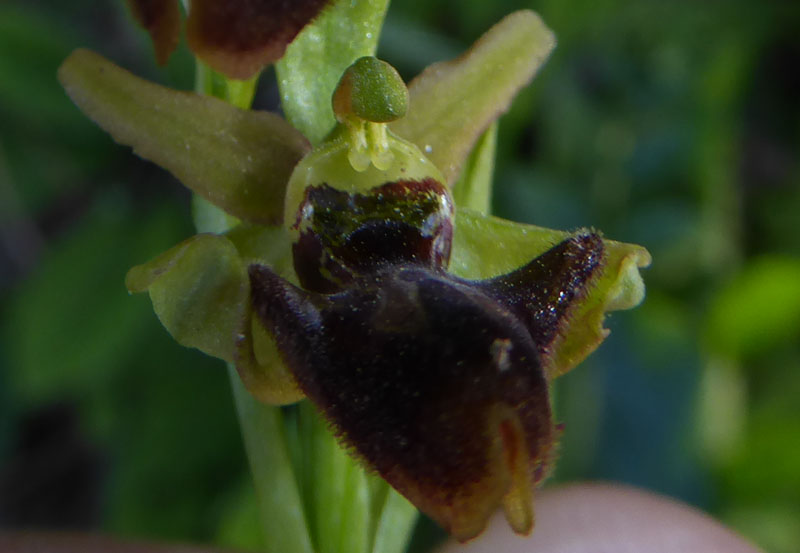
[675,125]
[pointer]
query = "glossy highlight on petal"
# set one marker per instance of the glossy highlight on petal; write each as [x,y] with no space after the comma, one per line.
[342,235]
[239,37]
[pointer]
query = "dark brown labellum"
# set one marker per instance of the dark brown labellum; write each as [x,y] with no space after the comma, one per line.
[343,234]
[436,381]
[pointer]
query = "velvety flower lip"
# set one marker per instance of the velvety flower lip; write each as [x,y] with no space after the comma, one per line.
[437,382]
[235,37]
[542,292]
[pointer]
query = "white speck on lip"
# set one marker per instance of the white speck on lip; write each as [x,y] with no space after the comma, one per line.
[500,350]
[428,148]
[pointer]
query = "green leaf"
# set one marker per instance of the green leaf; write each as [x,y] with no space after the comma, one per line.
[485,246]
[453,103]
[238,160]
[759,308]
[474,187]
[199,291]
[315,61]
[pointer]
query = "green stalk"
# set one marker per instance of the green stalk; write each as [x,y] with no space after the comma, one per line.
[263,428]
[282,517]
[313,496]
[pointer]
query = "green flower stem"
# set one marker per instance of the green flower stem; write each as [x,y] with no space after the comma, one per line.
[235,92]
[282,517]
[396,523]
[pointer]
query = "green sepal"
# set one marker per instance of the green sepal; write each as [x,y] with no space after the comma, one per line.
[473,189]
[452,103]
[485,246]
[238,160]
[201,294]
[199,291]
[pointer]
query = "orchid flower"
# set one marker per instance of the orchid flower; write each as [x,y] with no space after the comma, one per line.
[347,256]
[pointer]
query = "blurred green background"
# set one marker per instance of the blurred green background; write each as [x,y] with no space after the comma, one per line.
[675,125]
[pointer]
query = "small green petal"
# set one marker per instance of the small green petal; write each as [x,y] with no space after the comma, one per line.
[257,360]
[453,102]
[201,294]
[619,286]
[474,187]
[261,368]
[199,291]
[485,246]
[238,160]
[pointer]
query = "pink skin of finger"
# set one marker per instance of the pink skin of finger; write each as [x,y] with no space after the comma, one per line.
[600,518]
